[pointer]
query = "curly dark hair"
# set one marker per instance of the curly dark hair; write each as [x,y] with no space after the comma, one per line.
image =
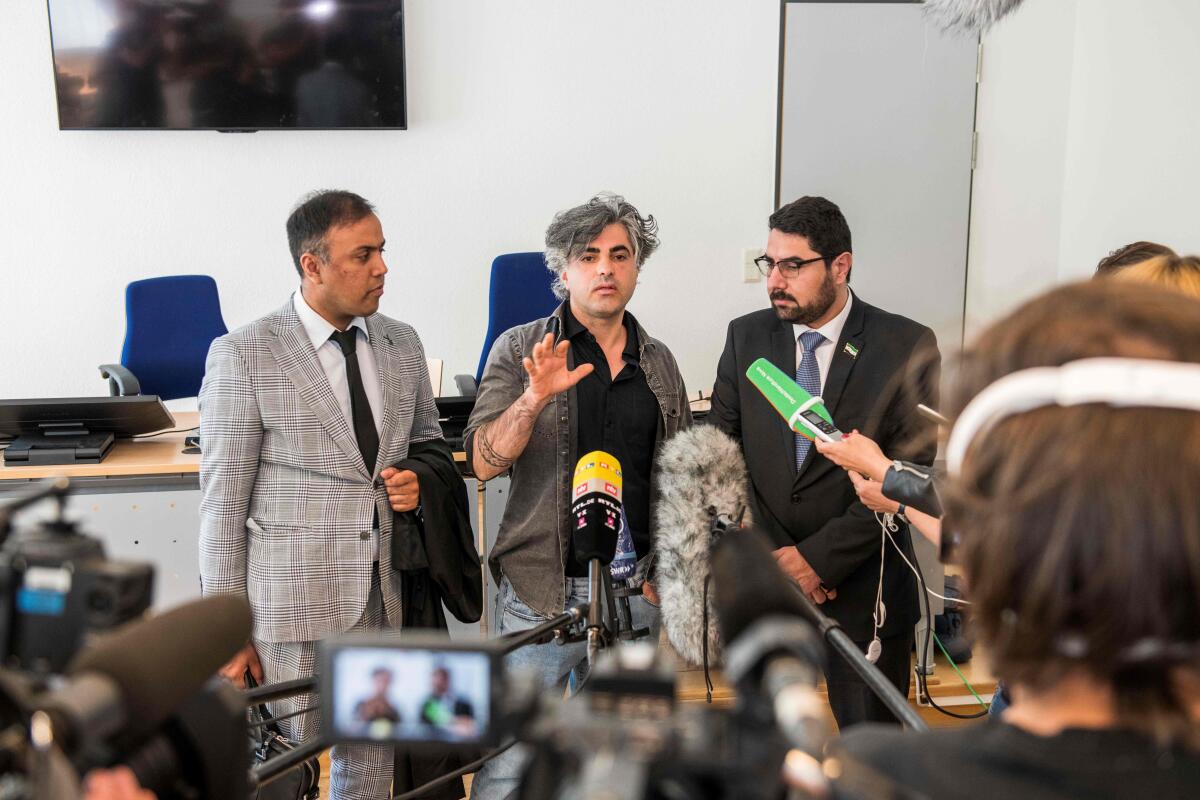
[573,230]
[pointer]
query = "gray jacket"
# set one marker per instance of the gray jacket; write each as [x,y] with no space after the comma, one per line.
[286,504]
[531,548]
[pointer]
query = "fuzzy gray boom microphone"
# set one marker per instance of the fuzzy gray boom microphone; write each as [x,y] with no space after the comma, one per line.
[702,475]
[968,16]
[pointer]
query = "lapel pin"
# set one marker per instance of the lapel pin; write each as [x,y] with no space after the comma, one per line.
[850,350]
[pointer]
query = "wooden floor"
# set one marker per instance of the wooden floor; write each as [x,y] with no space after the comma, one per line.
[945,686]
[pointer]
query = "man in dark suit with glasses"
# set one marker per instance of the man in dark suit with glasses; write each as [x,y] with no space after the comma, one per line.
[872,368]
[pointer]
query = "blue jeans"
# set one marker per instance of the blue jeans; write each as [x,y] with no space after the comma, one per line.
[552,662]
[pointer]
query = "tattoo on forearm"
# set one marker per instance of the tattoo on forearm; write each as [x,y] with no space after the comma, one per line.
[510,432]
[489,454]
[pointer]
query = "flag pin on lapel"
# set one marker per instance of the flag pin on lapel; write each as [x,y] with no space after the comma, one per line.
[850,350]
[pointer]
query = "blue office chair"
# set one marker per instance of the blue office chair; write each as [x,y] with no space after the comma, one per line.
[519,292]
[169,324]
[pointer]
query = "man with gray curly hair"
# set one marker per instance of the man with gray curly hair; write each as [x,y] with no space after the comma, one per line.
[573,230]
[588,377]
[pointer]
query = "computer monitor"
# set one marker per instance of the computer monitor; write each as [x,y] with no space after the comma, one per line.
[228,66]
[453,413]
[76,430]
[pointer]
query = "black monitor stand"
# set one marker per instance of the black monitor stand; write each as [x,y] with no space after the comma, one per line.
[59,443]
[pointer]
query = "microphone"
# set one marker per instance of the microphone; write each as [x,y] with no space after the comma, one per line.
[774,653]
[596,508]
[132,680]
[751,584]
[968,16]
[771,651]
[701,479]
[599,523]
[769,595]
[805,414]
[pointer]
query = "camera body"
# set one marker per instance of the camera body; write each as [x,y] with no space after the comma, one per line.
[627,734]
[623,731]
[56,586]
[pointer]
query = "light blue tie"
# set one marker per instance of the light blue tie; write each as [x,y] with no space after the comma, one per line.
[808,375]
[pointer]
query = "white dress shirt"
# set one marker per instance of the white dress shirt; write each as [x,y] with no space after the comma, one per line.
[333,362]
[329,353]
[832,331]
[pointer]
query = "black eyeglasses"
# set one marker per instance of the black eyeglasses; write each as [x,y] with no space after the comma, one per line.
[788,267]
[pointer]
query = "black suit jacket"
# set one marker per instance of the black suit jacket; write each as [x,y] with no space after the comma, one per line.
[816,509]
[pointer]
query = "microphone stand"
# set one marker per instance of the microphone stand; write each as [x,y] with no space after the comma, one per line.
[554,628]
[278,691]
[603,597]
[623,614]
[837,639]
[596,632]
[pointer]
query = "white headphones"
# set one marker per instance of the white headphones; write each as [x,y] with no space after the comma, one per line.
[1119,382]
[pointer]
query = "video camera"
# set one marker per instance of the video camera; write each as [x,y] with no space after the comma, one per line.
[85,686]
[623,733]
[56,586]
[144,695]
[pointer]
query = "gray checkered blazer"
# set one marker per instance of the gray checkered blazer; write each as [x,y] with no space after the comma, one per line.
[286,502]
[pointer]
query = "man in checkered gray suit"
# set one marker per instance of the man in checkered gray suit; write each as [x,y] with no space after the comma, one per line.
[301,413]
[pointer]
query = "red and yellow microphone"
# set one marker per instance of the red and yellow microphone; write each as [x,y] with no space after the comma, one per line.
[596,507]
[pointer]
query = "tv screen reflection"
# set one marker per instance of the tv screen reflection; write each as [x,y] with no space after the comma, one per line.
[229,64]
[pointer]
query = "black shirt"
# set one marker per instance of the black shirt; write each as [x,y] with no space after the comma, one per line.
[995,759]
[619,416]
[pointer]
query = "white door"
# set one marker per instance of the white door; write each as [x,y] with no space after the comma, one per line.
[877,113]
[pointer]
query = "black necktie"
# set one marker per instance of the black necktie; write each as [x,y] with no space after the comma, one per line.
[360,408]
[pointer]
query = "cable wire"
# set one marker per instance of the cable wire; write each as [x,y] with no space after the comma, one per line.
[957,671]
[164,433]
[922,683]
[888,531]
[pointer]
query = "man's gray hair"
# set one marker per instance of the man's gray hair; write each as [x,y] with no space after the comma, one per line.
[574,229]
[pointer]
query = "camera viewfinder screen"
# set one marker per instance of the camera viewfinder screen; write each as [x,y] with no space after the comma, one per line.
[409,695]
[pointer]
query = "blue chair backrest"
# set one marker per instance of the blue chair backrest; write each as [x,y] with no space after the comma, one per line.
[169,324]
[520,292]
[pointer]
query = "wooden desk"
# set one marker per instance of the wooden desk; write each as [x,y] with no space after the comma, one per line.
[158,464]
[155,460]
[157,455]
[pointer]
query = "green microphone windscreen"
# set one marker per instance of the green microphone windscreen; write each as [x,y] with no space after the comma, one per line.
[785,395]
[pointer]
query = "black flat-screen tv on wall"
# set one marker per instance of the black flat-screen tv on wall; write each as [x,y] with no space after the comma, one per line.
[228,64]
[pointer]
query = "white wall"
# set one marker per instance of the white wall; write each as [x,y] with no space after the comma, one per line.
[1088,121]
[1021,121]
[522,107]
[517,109]
[1133,164]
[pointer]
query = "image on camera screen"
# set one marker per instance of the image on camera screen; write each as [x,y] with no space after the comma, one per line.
[408,695]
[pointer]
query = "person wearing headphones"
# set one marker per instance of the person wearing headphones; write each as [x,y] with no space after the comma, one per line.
[1071,502]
